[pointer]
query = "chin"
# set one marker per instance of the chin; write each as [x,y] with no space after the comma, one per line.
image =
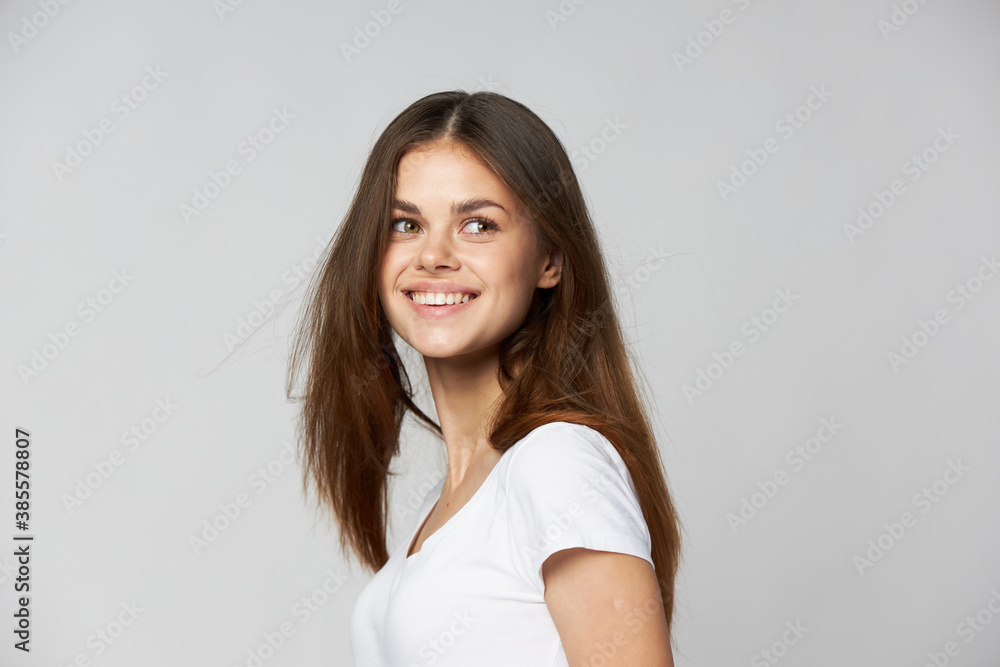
[442,350]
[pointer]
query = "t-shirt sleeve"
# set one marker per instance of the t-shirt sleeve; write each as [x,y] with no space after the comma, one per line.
[567,487]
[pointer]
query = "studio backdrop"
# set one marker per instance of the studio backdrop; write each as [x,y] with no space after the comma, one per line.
[798,203]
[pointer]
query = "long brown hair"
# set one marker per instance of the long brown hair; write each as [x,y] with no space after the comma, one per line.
[568,361]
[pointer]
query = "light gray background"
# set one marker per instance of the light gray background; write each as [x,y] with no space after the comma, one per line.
[653,187]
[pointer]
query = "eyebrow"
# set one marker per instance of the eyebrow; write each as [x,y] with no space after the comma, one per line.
[457,208]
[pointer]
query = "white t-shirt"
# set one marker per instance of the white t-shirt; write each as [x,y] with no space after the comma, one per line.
[474,594]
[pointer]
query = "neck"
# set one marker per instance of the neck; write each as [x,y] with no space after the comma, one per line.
[465,390]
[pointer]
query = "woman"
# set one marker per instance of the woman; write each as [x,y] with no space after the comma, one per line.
[552,539]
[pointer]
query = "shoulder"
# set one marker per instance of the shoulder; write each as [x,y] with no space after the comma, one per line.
[566,486]
[564,461]
[561,447]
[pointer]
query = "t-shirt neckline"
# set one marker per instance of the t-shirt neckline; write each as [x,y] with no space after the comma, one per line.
[432,538]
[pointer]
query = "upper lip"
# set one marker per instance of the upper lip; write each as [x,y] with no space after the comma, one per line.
[438,286]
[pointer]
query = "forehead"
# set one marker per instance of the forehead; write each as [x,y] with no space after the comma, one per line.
[450,173]
[446,164]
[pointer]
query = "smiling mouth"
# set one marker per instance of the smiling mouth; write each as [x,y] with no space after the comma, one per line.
[439,299]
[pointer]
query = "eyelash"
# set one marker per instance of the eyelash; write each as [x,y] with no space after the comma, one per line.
[496,227]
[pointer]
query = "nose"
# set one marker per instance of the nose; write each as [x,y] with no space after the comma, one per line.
[437,250]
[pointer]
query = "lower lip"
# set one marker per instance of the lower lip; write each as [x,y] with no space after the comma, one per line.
[438,311]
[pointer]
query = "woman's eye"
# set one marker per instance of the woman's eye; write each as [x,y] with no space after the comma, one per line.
[481,221]
[412,227]
[405,222]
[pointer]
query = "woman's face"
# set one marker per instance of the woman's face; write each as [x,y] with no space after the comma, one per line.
[458,229]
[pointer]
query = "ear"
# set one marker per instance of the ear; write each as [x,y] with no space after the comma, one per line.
[552,269]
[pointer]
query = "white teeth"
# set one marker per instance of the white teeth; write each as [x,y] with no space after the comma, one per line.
[440,298]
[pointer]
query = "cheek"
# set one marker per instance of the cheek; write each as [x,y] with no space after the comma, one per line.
[519,278]
[503,269]
[388,271]
[514,292]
